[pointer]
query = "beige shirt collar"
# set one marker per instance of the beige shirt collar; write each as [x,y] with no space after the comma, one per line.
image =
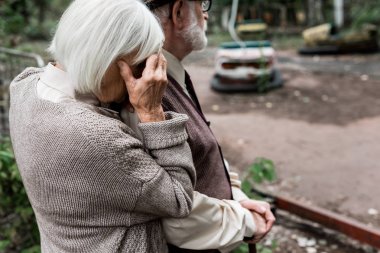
[55,85]
[175,69]
[57,80]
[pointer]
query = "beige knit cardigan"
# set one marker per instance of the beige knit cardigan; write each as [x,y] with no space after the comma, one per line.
[93,186]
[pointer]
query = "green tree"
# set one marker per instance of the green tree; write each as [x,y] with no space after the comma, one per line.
[365,12]
[19,231]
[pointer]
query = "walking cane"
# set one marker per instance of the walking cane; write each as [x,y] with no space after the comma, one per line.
[252,248]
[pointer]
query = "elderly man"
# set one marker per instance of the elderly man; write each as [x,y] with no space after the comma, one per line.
[222,215]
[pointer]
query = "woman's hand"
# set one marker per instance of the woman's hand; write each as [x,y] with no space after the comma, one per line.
[145,93]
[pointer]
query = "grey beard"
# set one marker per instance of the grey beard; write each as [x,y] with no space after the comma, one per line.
[195,36]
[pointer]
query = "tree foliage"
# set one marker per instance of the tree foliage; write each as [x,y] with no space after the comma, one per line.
[19,231]
[261,170]
[30,19]
[365,12]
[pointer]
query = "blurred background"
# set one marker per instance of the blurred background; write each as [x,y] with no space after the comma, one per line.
[27,24]
[295,106]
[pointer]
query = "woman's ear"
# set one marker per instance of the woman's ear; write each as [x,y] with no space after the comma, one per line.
[178,14]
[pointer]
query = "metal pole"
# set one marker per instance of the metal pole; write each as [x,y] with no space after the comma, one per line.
[339,13]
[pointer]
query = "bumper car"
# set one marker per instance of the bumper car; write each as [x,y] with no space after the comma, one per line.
[245,66]
[252,30]
[325,39]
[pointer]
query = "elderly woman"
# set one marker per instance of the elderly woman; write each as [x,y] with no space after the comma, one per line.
[93,185]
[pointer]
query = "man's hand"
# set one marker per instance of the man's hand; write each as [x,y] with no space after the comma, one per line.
[261,230]
[262,216]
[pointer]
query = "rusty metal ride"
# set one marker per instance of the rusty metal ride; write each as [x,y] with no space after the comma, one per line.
[334,221]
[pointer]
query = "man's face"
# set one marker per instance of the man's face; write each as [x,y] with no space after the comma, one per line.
[195,32]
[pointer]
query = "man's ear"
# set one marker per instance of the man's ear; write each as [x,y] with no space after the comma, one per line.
[178,14]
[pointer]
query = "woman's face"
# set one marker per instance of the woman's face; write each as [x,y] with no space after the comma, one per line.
[113,88]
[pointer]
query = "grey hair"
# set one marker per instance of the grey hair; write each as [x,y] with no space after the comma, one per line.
[93,34]
[162,14]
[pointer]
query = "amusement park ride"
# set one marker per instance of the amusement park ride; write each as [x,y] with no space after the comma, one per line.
[241,65]
[245,65]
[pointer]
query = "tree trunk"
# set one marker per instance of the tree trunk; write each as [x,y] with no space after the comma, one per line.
[310,13]
[42,6]
[41,14]
[315,12]
[339,13]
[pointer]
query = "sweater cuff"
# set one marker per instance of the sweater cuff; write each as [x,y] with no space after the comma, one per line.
[165,134]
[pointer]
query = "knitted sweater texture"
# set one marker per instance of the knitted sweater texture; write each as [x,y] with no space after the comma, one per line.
[94,187]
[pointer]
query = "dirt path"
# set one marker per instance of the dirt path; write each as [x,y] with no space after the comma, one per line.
[321,130]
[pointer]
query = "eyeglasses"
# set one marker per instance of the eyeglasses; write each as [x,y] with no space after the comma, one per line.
[154,4]
[206,4]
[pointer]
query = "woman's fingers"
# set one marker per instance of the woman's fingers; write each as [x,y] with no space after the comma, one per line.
[160,72]
[156,67]
[162,63]
[150,66]
[145,94]
[126,73]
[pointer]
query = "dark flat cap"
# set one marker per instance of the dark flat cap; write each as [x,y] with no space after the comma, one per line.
[154,4]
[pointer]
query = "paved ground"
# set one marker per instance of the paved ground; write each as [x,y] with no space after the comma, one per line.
[321,129]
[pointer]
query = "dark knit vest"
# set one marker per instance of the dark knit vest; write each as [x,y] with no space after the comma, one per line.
[212,176]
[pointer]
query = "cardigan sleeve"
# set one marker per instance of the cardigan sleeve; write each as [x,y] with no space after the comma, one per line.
[169,192]
[144,180]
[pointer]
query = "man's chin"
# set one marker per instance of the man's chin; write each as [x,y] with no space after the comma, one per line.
[203,46]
